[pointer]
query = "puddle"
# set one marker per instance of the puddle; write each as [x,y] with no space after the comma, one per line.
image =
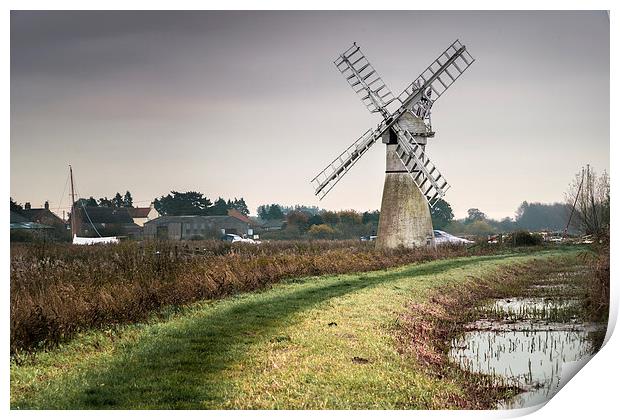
[524,342]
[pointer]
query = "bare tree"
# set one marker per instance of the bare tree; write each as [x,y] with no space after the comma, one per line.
[588,198]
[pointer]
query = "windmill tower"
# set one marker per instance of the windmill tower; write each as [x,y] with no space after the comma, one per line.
[412,182]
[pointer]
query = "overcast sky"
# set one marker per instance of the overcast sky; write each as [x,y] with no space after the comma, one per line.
[250,104]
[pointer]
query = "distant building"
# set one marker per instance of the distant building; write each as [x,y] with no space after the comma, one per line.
[269,225]
[254,225]
[141,215]
[106,221]
[45,217]
[195,227]
[24,229]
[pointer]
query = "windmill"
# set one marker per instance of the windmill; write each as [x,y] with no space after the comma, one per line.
[412,182]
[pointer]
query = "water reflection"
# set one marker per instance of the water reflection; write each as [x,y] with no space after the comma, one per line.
[524,348]
[531,308]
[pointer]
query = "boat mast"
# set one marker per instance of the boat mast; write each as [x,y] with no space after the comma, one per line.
[72,204]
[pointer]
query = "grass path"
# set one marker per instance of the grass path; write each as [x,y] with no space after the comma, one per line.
[317,342]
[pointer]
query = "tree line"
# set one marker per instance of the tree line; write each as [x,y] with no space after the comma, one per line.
[532,217]
[301,221]
[117,201]
[279,212]
[312,222]
[588,196]
[586,210]
[194,203]
[191,203]
[298,223]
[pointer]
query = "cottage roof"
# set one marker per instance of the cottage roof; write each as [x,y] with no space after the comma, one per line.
[104,215]
[138,212]
[17,218]
[41,215]
[238,215]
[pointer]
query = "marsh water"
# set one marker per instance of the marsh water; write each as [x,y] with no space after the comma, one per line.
[524,341]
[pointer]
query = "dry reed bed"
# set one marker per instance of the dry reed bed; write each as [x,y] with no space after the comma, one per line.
[59,289]
[598,290]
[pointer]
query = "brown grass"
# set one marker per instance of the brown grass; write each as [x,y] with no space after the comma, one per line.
[59,289]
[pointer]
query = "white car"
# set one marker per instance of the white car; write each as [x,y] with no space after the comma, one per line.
[442,237]
[231,237]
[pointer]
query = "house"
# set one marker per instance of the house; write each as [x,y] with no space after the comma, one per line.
[44,216]
[268,225]
[105,221]
[195,227]
[141,215]
[237,214]
[23,229]
[253,224]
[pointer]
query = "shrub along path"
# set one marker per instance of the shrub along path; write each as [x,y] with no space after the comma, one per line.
[315,342]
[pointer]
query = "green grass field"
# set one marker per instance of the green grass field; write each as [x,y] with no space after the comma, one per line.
[315,342]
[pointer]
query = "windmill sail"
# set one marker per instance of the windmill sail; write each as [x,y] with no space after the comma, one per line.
[329,177]
[364,79]
[417,99]
[424,173]
[436,79]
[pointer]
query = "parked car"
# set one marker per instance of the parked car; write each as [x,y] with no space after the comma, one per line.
[368,238]
[231,237]
[493,239]
[442,237]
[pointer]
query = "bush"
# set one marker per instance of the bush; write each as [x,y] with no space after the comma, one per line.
[525,238]
[321,231]
[33,235]
[21,236]
[479,228]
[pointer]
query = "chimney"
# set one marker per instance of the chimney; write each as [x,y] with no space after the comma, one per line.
[27,206]
[46,205]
